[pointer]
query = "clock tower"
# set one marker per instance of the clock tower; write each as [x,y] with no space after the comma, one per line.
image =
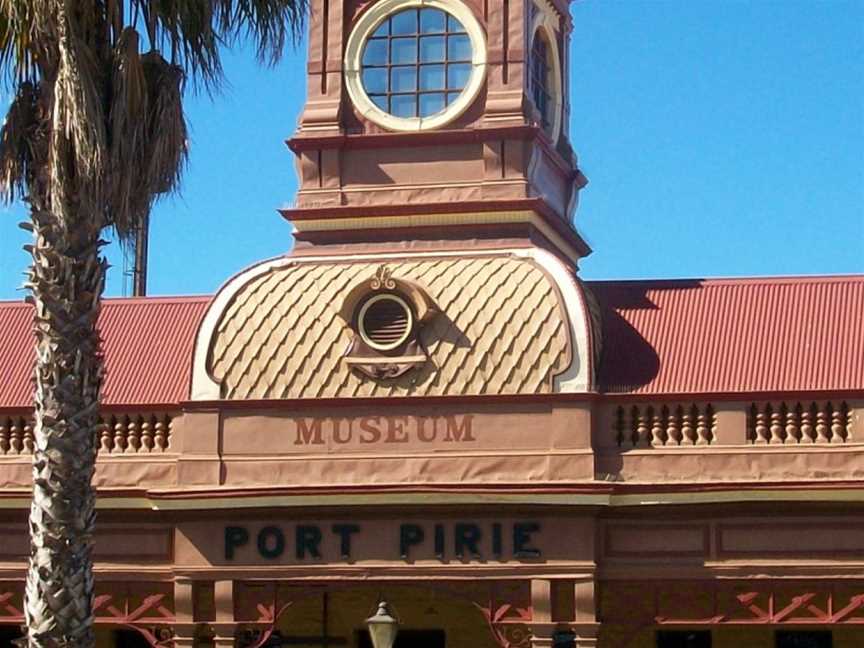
[437,123]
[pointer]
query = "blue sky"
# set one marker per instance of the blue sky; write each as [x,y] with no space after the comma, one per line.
[719,138]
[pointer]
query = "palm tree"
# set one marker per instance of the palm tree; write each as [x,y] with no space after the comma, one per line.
[94,134]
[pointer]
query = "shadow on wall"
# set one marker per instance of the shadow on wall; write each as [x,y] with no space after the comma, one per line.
[628,361]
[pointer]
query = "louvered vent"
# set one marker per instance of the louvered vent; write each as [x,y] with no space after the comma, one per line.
[385,322]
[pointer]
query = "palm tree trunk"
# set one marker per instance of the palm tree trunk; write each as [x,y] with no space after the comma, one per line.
[66,281]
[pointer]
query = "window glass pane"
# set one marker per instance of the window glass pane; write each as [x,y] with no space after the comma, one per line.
[417,62]
[803,639]
[405,22]
[431,103]
[457,76]
[432,77]
[432,49]
[403,79]
[375,80]
[403,105]
[383,29]
[458,48]
[684,639]
[375,52]
[403,50]
[432,21]
[454,25]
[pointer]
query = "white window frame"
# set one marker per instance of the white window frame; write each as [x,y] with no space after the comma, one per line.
[366,26]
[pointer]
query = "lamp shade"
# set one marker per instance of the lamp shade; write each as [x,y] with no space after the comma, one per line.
[382,627]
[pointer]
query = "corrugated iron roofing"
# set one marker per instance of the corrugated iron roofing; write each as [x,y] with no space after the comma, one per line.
[659,337]
[148,346]
[732,335]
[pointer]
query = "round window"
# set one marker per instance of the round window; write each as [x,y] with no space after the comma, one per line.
[415,64]
[385,322]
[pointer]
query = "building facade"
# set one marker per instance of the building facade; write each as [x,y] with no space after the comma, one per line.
[424,403]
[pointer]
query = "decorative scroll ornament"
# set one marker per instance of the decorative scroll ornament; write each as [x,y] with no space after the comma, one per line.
[383,279]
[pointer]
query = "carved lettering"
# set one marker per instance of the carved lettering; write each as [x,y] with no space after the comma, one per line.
[396,429]
[307,433]
[457,431]
[427,429]
[368,424]
[384,429]
[337,431]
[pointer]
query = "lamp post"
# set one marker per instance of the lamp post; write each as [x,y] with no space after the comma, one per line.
[382,627]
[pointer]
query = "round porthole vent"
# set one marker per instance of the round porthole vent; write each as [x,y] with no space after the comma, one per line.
[385,322]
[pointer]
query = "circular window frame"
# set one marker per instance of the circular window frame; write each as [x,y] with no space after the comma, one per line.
[542,22]
[361,328]
[353,63]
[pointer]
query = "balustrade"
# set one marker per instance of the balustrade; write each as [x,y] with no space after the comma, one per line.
[799,423]
[654,426]
[117,434]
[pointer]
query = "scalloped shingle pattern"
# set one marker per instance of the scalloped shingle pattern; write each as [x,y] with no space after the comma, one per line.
[501,330]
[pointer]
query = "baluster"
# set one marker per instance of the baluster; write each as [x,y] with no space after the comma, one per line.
[162,432]
[847,431]
[28,440]
[4,436]
[133,438]
[712,417]
[760,426]
[622,437]
[657,429]
[642,430]
[673,431]
[687,427]
[702,429]
[628,439]
[821,425]
[147,435]
[105,438]
[16,442]
[119,435]
[804,420]
[776,426]
[793,430]
[838,426]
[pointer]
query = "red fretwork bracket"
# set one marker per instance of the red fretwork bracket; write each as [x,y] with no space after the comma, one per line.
[505,607]
[151,618]
[507,622]
[772,603]
[8,612]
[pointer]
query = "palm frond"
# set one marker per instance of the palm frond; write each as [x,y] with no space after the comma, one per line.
[266,22]
[22,44]
[127,118]
[78,146]
[191,32]
[17,140]
[167,136]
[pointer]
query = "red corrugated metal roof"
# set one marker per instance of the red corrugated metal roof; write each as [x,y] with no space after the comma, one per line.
[659,337]
[148,346]
[732,335]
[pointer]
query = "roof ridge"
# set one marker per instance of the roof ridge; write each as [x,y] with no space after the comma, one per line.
[118,301]
[725,281]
